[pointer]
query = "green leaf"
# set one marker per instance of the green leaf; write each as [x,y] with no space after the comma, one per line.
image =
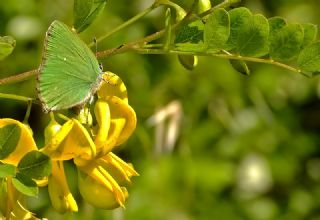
[240,66]
[25,185]
[7,170]
[190,33]
[85,12]
[310,34]
[239,18]
[9,138]
[217,30]
[81,10]
[253,37]
[286,44]
[190,37]
[35,165]
[309,58]
[275,25]
[7,44]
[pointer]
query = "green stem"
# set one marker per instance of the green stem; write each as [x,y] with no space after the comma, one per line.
[16,97]
[125,24]
[63,117]
[224,56]
[26,117]
[19,77]
[125,47]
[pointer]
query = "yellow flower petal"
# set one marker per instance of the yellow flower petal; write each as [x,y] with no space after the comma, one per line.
[25,144]
[116,119]
[100,179]
[71,141]
[112,86]
[120,170]
[102,113]
[21,213]
[122,111]
[60,195]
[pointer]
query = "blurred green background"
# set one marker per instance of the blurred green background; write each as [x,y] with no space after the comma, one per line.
[246,148]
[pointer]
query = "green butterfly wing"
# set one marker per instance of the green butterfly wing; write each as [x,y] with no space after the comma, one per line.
[69,73]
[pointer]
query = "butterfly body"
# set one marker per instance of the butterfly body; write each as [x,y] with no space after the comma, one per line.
[69,72]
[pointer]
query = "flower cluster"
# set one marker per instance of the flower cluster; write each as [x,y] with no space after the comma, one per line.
[102,176]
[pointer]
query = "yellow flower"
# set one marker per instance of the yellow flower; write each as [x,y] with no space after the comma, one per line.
[72,140]
[102,182]
[116,119]
[102,176]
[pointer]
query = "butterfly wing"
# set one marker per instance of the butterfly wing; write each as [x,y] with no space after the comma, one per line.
[69,72]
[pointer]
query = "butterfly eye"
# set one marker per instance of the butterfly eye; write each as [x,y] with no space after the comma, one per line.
[100,67]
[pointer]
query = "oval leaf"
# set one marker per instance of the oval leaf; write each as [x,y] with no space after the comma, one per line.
[35,165]
[275,25]
[286,44]
[253,37]
[217,30]
[81,10]
[309,58]
[85,11]
[239,17]
[190,37]
[7,45]
[9,138]
[7,170]
[190,33]
[25,185]
[310,33]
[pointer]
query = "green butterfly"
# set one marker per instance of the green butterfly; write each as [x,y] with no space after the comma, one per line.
[69,73]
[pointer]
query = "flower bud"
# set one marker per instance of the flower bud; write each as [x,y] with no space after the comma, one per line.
[96,193]
[52,128]
[203,5]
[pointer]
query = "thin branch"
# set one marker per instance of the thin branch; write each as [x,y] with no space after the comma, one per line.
[16,97]
[18,78]
[125,24]
[125,47]
[142,42]
[224,56]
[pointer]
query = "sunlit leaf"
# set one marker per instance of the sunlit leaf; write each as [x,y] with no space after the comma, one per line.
[9,138]
[35,165]
[239,18]
[25,185]
[310,33]
[275,25]
[217,30]
[85,12]
[7,170]
[253,37]
[286,44]
[309,58]
[7,44]
[190,37]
